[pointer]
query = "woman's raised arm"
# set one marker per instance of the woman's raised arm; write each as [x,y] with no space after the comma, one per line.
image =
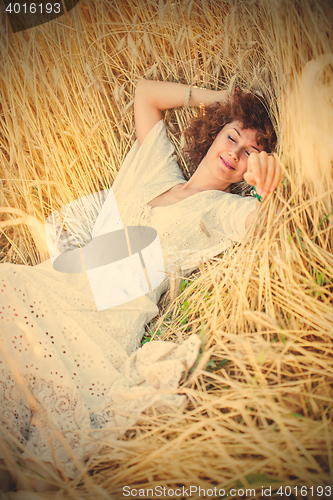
[152,97]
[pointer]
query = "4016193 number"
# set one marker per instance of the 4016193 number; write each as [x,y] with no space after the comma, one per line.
[33,8]
[304,491]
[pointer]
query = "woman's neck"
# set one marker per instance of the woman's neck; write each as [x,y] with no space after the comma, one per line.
[202,181]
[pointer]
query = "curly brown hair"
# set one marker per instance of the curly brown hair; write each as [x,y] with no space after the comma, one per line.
[243,106]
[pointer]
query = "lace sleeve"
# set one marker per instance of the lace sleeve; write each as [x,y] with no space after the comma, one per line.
[231,214]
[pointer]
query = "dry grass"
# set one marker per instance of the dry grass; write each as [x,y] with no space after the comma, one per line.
[260,397]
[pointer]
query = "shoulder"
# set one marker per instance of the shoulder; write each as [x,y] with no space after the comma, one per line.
[157,143]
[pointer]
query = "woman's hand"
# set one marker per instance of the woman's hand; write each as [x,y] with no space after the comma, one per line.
[263,172]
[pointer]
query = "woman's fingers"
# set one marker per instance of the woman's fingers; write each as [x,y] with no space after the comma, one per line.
[270,173]
[263,162]
[264,171]
[277,174]
[248,177]
[253,174]
[257,165]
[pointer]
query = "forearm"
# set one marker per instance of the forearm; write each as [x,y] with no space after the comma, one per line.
[153,97]
[167,95]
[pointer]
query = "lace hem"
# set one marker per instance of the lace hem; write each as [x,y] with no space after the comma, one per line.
[54,424]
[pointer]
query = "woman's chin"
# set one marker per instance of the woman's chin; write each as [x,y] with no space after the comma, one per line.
[227,176]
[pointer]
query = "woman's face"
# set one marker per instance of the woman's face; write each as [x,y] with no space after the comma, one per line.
[228,155]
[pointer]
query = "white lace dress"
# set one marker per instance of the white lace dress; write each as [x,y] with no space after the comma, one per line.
[66,367]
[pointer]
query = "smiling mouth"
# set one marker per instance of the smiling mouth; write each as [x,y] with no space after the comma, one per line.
[227,164]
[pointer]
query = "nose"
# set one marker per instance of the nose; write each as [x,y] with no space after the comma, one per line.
[234,154]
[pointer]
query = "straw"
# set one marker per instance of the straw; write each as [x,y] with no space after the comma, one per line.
[259,399]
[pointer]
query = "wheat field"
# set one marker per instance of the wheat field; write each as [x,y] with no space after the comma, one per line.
[259,400]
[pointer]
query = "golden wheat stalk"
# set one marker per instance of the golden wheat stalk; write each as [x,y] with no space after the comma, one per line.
[260,397]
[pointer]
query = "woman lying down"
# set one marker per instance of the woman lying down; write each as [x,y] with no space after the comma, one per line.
[66,365]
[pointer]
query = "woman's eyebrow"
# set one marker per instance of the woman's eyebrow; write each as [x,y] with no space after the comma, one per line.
[241,136]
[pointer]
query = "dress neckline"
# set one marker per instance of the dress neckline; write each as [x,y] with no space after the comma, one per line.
[180,201]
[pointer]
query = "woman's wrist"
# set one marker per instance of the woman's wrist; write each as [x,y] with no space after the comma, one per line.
[202,96]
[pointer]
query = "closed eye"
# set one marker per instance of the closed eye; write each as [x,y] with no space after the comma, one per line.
[229,137]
